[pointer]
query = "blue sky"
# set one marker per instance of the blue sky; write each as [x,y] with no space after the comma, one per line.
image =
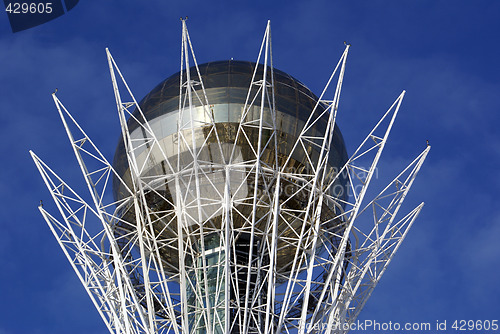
[444,53]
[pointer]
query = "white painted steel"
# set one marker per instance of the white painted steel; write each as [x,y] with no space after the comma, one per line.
[135,291]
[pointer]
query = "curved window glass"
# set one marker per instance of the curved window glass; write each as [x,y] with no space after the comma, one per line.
[226,84]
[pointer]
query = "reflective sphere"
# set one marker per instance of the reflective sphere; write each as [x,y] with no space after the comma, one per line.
[227,87]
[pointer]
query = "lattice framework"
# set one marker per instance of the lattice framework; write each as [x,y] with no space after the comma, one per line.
[333,271]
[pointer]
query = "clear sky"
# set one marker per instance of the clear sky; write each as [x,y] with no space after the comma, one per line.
[444,53]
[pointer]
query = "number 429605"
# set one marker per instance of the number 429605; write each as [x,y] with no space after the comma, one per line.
[32,8]
[478,325]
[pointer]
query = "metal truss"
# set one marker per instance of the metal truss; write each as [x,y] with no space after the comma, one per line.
[336,259]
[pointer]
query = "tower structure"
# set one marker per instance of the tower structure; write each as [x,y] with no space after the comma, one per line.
[235,207]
